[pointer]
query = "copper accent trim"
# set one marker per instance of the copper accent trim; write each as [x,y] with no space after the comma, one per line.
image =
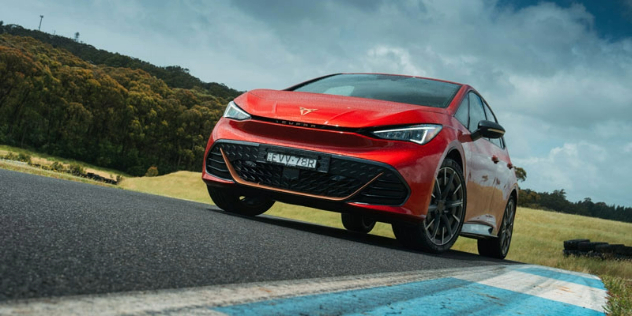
[239,180]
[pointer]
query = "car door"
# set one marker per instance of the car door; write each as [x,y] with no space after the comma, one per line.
[501,173]
[480,169]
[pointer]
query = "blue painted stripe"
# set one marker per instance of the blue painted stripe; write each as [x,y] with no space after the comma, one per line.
[566,277]
[447,296]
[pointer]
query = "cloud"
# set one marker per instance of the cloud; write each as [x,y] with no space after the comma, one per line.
[583,170]
[544,60]
[560,90]
[393,59]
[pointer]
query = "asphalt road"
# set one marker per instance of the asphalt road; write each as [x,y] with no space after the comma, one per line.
[61,238]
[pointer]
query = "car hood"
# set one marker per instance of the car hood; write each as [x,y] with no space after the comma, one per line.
[334,110]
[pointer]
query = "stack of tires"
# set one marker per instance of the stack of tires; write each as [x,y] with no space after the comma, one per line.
[584,247]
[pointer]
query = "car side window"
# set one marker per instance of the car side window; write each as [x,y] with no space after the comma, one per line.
[463,113]
[488,113]
[491,117]
[477,113]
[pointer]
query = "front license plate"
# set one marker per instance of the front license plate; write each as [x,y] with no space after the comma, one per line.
[291,160]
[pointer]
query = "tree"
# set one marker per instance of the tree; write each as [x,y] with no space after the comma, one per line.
[521,174]
[119,118]
[77,37]
[152,172]
[560,193]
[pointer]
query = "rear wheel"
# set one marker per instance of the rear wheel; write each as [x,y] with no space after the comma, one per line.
[499,247]
[232,202]
[357,223]
[438,232]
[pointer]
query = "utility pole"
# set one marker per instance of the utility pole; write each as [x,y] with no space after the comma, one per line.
[40,26]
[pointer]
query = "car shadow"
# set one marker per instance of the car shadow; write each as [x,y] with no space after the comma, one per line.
[373,240]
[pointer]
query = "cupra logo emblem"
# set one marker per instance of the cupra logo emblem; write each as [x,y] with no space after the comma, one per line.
[305,111]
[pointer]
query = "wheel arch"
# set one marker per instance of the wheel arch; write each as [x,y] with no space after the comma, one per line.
[455,152]
[514,195]
[456,155]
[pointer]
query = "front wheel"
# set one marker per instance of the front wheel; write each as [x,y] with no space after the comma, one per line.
[499,247]
[232,202]
[357,223]
[443,222]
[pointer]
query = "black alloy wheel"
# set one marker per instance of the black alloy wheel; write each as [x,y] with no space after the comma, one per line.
[443,222]
[499,247]
[232,202]
[446,208]
[357,223]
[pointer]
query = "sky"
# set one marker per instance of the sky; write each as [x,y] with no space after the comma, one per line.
[558,74]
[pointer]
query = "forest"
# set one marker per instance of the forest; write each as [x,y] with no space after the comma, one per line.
[173,76]
[117,116]
[556,201]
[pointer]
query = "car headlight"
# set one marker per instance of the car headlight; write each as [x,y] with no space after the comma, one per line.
[419,134]
[234,112]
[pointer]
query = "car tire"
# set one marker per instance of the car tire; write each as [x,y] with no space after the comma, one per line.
[357,223]
[625,251]
[606,248]
[444,220]
[499,247]
[589,246]
[232,202]
[572,244]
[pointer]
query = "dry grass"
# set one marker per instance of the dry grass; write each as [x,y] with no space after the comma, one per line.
[182,185]
[23,167]
[620,302]
[48,160]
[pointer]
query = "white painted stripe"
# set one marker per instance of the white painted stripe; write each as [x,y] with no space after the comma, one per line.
[211,296]
[198,301]
[549,288]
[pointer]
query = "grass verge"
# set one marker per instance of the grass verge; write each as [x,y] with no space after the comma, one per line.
[620,300]
[23,167]
[44,159]
[181,185]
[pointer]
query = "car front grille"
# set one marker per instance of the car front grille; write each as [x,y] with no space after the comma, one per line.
[215,164]
[344,177]
[386,190]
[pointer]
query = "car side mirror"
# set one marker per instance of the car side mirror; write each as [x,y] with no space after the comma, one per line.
[488,129]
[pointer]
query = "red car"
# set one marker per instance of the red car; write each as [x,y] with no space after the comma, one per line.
[425,155]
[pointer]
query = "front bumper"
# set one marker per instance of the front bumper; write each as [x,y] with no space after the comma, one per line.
[390,180]
[345,179]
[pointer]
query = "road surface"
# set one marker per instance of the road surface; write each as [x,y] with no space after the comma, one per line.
[62,238]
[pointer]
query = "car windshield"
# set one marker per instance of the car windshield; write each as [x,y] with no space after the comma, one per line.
[401,89]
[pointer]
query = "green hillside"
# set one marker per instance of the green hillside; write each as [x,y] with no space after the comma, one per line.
[173,76]
[113,117]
